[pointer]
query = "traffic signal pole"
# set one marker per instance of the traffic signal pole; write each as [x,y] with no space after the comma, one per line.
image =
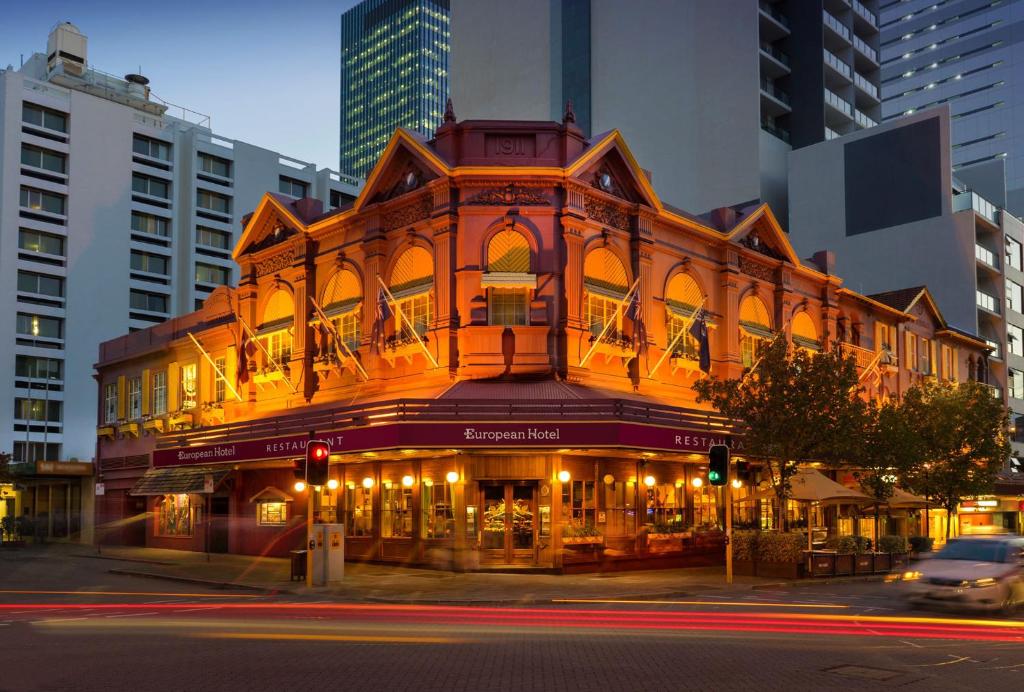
[728,533]
[309,537]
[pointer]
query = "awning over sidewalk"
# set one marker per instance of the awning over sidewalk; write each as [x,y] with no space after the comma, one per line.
[811,485]
[179,479]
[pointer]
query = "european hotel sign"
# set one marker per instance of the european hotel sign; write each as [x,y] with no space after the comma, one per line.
[440,435]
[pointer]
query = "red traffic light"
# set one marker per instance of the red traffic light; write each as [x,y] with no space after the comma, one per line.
[318,453]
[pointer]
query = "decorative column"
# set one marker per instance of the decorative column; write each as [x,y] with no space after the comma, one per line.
[726,348]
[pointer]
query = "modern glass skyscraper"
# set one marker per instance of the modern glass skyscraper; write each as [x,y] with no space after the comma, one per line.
[970,55]
[394,73]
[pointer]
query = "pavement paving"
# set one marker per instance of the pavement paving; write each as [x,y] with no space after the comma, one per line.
[397,584]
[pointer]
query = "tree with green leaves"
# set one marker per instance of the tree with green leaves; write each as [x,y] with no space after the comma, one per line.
[963,432]
[890,448]
[792,407]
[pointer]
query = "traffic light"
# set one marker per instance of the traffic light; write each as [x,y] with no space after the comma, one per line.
[318,453]
[718,465]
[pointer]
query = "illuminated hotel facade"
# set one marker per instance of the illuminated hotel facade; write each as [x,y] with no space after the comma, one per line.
[466,338]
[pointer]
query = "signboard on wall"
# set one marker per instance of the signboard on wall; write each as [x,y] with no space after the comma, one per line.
[446,435]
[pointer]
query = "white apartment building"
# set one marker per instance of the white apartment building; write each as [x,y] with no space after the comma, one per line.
[117,211]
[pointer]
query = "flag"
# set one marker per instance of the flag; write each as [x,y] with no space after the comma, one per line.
[384,311]
[633,308]
[242,367]
[699,331]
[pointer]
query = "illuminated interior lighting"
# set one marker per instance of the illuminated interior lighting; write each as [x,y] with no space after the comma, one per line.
[452,477]
[564,476]
[367,482]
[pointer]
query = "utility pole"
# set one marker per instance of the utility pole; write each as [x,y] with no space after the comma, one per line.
[728,532]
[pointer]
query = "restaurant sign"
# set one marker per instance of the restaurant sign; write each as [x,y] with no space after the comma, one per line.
[577,435]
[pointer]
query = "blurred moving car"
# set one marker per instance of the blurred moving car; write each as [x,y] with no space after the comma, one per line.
[972,572]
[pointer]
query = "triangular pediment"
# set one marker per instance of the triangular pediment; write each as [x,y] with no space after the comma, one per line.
[760,231]
[271,223]
[406,165]
[608,165]
[924,304]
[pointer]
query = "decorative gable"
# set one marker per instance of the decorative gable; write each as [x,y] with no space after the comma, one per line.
[760,232]
[271,224]
[406,165]
[609,166]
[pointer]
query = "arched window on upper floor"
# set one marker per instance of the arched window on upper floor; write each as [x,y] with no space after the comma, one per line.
[805,334]
[508,279]
[682,298]
[412,285]
[755,329]
[276,327]
[605,285]
[342,302]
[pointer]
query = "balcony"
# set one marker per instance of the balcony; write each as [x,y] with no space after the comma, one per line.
[862,119]
[839,103]
[865,14]
[481,350]
[987,302]
[773,23]
[867,51]
[972,200]
[837,64]
[831,134]
[996,350]
[864,85]
[774,62]
[775,131]
[774,101]
[836,26]
[997,392]
[986,257]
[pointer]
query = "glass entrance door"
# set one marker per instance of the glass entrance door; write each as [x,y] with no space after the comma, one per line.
[508,534]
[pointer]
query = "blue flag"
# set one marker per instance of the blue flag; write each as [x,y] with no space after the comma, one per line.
[384,311]
[699,331]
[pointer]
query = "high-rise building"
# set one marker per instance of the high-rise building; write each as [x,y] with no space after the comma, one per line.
[968,54]
[711,95]
[394,73]
[114,215]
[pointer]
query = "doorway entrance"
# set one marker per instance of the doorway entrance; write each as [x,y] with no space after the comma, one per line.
[509,523]
[220,509]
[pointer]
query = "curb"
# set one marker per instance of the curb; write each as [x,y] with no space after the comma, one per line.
[209,583]
[122,559]
[823,580]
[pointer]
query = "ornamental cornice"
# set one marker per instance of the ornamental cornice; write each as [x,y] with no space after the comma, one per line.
[510,194]
[275,263]
[406,214]
[606,213]
[756,269]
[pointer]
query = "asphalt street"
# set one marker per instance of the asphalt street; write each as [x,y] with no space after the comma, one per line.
[70,624]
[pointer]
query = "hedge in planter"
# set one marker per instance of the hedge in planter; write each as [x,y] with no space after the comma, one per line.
[893,544]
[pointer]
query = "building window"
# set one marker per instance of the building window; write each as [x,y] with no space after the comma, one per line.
[620,508]
[1015,335]
[134,398]
[341,301]
[153,148]
[35,451]
[218,384]
[272,513]
[925,356]
[580,498]
[339,198]
[664,511]
[44,158]
[507,306]
[417,312]
[1016,382]
[159,393]
[147,223]
[348,329]
[600,311]
[755,329]
[110,403]
[37,367]
[214,165]
[148,185]
[37,241]
[278,345]
[212,274]
[44,117]
[605,285]
[358,509]
[40,200]
[213,238]
[438,515]
[151,302]
[412,281]
[1013,254]
[148,262]
[275,331]
[40,284]
[213,201]
[292,187]
[1013,296]
[189,386]
[38,410]
[396,511]
[175,517]
[37,325]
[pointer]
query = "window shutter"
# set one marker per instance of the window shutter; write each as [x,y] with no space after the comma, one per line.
[173,378]
[121,398]
[146,392]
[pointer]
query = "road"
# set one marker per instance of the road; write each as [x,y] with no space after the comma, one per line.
[113,632]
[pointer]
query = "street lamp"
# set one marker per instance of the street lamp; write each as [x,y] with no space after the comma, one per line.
[332,484]
[299,486]
[564,476]
[452,477]
[697,482]
[367,482]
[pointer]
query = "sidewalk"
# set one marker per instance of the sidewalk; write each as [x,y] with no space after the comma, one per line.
[394,584]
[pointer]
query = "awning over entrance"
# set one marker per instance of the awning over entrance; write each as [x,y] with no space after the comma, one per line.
[178,480]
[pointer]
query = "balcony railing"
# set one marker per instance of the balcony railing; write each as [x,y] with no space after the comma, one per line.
[831,134]
[840,66]
[863,120]
[836,25]
[972,200]
[986,256]
[865,86]
[769,88]
[839,103]
[987,302]
[865,49]
[775,53]
[864,12]
[773,12]
[773,130]
[996,351]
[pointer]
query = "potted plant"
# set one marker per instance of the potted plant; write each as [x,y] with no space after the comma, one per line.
[744,553]
[895,549]
[581,534]
[921,544]
[846,548]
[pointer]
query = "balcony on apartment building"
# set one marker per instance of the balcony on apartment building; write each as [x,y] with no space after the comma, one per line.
[773,24]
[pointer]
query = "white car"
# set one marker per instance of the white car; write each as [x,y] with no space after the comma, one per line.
[971,572]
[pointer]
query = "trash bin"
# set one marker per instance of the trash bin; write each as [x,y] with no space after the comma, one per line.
[299,565]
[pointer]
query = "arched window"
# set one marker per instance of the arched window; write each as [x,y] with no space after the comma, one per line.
[755,329]
[605,286]
[342,302]
[682,298]
[805,334]
[412,282]
[275,328]
[508,279]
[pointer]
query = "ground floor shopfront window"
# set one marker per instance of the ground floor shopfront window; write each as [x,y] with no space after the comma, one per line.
[175,516]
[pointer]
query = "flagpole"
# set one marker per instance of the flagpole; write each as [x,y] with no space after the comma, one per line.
[680,335]
[254,338]
[403,318]
[338,342]
[761,357]
[215,368]
[610,322]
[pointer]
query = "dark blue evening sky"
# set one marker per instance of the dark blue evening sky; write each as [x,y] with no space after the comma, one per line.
[265,71]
